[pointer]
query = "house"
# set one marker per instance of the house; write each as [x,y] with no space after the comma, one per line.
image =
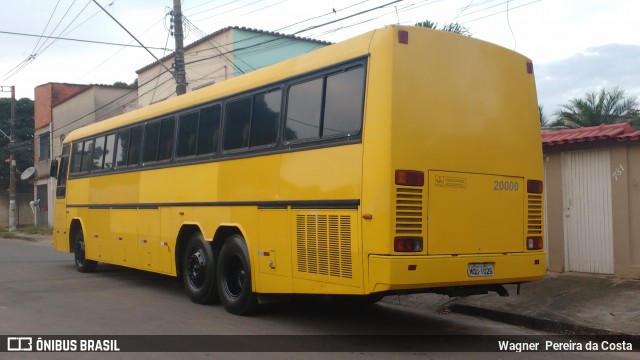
[592,178]
[227,53]
[59,109]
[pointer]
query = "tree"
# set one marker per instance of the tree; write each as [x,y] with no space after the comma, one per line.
[23,145]
[453,27]
[608,106]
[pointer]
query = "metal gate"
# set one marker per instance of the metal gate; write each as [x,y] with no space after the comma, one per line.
[586,189]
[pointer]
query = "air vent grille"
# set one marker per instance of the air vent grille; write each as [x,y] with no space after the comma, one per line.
[534,214]
[409,210]
[323,245]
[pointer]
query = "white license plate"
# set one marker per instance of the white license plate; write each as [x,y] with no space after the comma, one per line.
[480,269]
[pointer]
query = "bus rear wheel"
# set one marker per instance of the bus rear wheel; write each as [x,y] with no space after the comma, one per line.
[199,271]
[83,264]
[234,278]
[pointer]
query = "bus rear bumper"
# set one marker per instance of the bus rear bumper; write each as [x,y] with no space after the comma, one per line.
[420,273]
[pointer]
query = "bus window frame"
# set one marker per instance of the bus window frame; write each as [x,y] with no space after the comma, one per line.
[281,145]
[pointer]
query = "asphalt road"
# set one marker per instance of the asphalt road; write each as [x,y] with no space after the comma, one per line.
[41,293]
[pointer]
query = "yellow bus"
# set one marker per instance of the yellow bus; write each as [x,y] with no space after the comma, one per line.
[403,160]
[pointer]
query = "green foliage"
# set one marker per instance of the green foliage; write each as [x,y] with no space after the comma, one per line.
[608,106]
[453,27]
[24,141]
[122,84]
[36,230]
[544,122]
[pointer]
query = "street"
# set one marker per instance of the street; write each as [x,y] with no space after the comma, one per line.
[41,293]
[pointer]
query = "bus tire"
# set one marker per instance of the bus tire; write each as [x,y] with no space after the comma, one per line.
[199,271]
[83,264]
[234,278]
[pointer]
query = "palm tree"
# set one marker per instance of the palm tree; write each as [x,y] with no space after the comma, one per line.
[544,122]
[609,106]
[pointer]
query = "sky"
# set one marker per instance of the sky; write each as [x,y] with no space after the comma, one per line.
[576,45]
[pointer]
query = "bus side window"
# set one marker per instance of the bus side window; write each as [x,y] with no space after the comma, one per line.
[109,151]
[151,137]
[87,154]
[76,157]
[209,130]
[344,101]
[165,145]
[237,123]
[135,145]
[265,118]
[187,134]
[122,148]
[304,109]
[98,153]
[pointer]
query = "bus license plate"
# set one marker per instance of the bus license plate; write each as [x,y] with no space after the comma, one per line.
[480,269]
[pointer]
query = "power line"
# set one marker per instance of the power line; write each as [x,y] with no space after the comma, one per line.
[130,34]
[81,40]
[500,12]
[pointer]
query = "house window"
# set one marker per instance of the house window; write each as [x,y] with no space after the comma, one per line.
[44,153]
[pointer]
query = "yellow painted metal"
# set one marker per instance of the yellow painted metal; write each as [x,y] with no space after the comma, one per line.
[475,213]
[447,105]
[389,273]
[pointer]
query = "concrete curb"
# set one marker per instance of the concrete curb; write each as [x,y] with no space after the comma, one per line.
[547,325]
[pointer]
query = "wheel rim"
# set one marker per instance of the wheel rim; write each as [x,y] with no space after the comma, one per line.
[197,268]
[79,251]
[234,277]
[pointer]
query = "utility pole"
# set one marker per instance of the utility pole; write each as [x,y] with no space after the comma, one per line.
[181,74]
[12,159]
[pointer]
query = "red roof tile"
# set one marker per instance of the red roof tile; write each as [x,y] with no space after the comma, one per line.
[620,132]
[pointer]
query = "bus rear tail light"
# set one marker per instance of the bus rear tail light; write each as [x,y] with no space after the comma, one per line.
[534,243]
[409,178]
[534,186]
[407,244]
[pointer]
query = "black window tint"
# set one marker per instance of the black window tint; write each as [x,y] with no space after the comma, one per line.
[264,121]
[151,136]
[76,157]
[187,134]
[134,146]
[237,122]
[209,130]
[98,154]
[304,107]
[343,103]
[87,154]
[122,150]
[108,151]
[165,146]
[61,188]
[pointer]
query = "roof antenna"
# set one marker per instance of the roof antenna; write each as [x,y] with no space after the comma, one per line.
[397,16]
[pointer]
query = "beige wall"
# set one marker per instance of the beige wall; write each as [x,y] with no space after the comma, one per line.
[156,84]
[625,197]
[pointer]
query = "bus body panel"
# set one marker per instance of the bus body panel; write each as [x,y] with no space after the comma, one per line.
[464,113]
[394,273]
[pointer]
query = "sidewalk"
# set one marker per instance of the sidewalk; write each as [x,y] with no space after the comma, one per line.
[563,303]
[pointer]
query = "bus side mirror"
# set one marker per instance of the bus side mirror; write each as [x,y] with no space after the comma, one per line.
[53,169]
